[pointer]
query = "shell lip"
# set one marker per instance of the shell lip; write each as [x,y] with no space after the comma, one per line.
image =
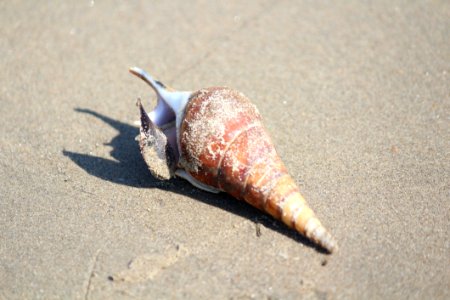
[155,147]
[166,116]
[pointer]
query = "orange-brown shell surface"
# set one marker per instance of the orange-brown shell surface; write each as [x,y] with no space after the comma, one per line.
[223,145]
[216,121]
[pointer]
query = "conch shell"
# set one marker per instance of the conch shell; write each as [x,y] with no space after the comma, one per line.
[214,138]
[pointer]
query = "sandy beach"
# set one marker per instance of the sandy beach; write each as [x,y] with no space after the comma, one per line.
[355,95]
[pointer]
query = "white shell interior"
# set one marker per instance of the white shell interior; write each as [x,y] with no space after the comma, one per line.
[169,110]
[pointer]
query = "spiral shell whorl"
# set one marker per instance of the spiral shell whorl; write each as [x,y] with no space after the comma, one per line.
[214,117]
[225,145]
[214,138]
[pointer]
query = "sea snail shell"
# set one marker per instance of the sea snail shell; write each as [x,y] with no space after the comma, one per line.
[214,138]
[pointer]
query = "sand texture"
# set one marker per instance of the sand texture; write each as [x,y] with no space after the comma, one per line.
[355,94]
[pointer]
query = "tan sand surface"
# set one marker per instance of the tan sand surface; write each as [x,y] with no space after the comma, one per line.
[356,95]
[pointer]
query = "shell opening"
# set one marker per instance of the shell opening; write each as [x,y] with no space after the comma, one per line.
[169,110]
[164,118]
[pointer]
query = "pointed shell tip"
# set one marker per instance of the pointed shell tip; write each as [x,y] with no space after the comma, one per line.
[136,71]
[330,245]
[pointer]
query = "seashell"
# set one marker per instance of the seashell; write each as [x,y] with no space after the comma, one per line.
[214,138]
